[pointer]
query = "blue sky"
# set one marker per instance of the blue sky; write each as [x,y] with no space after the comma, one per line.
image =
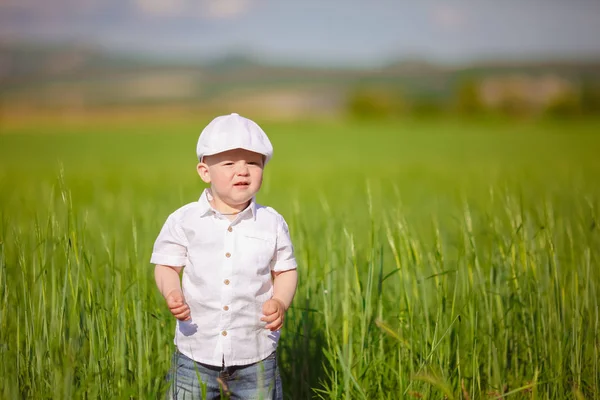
[340,32]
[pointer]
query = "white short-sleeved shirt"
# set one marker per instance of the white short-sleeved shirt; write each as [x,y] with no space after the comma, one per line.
[226,279]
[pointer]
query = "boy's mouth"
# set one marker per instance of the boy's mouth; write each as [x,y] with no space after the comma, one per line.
[242,184]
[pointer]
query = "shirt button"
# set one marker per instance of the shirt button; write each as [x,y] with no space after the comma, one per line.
[227,255]
[226,308]
[224,333]
[229,229]
[226,281]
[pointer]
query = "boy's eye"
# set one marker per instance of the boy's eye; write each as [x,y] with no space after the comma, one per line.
[253,163]
[228,163]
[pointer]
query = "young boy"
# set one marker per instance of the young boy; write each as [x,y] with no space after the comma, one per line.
[239,271]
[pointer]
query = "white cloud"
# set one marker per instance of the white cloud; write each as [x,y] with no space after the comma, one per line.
[226,9]
[161,8]
[448,17]
[208,9]
[63,9]
[16,4]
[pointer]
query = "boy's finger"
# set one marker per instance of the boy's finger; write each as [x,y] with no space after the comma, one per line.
[269,307]
[177,301]
[179,310]
[273,326]
[183,312]
[270,318]
[178,306]
[183,316]
[274,321]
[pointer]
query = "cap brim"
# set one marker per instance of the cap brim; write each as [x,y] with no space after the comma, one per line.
[212,153]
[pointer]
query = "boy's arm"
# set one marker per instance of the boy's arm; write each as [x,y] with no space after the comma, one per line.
[285,279]
[167,281]
[284,286]
[167,278]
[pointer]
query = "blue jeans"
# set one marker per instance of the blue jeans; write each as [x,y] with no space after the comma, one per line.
[192,380]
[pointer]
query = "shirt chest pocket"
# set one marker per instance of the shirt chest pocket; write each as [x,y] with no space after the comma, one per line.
[205,253]
[258,249]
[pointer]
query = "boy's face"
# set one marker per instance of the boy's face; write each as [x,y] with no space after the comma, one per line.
[235,176]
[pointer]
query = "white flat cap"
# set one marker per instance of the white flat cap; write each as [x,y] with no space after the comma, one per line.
[233,131]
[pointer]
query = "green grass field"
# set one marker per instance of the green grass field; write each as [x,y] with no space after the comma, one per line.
[437,259]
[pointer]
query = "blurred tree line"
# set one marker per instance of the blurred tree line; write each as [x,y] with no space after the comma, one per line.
[71,80]
[515,96]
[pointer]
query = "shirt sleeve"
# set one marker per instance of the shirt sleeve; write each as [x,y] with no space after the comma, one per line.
[284,254]
[170,247]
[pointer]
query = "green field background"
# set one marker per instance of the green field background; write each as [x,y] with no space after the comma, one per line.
[437,258]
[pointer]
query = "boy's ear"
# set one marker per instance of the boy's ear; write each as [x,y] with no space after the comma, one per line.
[203,171]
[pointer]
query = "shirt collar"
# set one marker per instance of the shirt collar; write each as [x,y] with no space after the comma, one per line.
[206,208]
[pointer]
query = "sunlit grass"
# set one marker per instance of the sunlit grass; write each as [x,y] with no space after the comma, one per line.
[436,259]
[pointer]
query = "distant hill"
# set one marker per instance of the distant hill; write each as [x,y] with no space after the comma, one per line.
[89,76]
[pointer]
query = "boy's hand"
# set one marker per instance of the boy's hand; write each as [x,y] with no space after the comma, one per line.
[274,310]
[177,305]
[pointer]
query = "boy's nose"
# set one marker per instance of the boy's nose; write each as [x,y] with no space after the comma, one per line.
[243,170]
